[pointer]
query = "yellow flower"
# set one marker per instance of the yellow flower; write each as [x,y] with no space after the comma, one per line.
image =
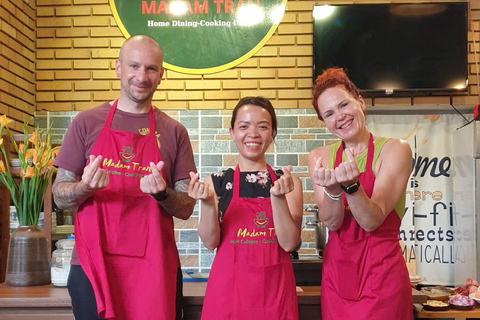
[49,165]
[29,173]
[33,139]
[4,121]
[31,156]
[36,160]
[54,153]
[44,158]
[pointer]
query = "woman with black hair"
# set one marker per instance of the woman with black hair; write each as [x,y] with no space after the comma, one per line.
[253,216]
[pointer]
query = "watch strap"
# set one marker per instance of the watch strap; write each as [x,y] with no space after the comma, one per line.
[162,195]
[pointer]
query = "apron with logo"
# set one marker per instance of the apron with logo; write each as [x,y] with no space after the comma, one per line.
[124,241]
[251,276]
[364,273]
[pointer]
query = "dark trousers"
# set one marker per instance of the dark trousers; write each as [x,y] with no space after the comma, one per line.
[83,298]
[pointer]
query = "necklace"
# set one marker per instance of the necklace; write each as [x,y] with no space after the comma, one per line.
[355,154]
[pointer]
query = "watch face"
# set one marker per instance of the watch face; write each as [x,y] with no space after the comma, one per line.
[352,189]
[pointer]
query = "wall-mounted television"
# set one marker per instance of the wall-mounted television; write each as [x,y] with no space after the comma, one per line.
[394,48]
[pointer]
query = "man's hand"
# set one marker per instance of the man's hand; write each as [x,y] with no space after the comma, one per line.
[93,177]
[154,182]
[70,190]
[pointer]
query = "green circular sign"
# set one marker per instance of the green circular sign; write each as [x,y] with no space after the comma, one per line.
[200,37]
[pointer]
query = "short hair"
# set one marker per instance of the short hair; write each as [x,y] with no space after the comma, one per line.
[330,78]
[259,102]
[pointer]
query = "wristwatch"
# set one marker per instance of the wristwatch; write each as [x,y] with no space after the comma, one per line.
[162,195]
[351,189]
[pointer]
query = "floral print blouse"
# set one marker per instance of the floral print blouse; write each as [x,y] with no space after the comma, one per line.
[255,184]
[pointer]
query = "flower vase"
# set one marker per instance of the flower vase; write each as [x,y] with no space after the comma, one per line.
[27,262]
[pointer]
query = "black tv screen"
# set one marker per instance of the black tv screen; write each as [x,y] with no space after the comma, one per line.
[389,48]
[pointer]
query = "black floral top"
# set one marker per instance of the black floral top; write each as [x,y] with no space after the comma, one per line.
[254,184]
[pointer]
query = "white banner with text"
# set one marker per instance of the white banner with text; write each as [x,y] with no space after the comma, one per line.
[427,237]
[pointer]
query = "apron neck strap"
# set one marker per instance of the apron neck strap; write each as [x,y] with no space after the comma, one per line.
[151,118]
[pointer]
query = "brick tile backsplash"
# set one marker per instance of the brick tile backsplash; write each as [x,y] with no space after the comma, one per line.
[208,131]
[58,58]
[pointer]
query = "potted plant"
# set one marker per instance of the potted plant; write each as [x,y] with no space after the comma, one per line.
[27,262]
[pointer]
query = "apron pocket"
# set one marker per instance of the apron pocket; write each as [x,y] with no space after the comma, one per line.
[348,279]
[249,289]
[275,285]
[350,268]
[126,229]
[257,286]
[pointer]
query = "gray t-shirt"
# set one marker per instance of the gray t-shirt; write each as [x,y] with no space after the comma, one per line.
[172,139]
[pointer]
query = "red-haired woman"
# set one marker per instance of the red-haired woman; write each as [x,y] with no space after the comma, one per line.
[359,185]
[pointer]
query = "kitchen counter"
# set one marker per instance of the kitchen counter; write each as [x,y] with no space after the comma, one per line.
[420,313]
[307,270]
[53,303]
[308,301]
[34,303]
[194,292]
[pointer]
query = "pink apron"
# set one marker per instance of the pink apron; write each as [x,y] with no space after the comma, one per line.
[252,276]
[364,273]
[124,241]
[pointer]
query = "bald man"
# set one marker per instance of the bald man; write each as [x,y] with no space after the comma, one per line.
[125,164]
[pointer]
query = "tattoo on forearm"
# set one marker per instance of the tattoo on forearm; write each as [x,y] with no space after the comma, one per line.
[179,204]
[65,189]
[182,185]
[66,176]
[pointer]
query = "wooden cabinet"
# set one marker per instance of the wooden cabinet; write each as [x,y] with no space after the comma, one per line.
[5,211]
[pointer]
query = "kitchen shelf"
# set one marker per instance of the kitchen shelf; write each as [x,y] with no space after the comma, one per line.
[58,236]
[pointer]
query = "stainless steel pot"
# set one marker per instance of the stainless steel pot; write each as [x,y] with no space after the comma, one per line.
[320,230]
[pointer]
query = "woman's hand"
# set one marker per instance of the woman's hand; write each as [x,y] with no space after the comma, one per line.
[287,208]
[325,177]
[198,190]
[347,173]
[209,225]
[284,184]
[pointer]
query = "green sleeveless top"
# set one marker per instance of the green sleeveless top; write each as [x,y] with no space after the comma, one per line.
[361,161]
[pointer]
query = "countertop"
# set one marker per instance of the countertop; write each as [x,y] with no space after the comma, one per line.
[51,296]
[420,313]
[53,303]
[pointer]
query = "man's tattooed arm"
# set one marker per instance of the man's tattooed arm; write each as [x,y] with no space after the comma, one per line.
[68,191]
[178,203]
